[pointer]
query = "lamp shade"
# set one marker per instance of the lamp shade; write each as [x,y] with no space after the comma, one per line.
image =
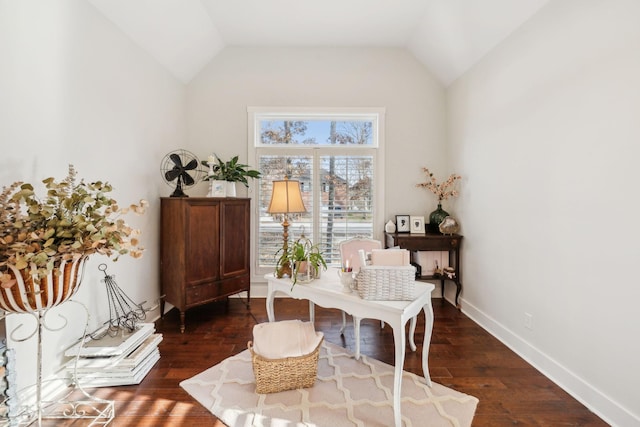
[286,198]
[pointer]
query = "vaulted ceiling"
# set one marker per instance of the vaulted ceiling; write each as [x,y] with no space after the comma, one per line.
[447,36]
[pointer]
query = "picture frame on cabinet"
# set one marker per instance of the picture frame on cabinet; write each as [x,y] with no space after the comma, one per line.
[417,224]
[403,224]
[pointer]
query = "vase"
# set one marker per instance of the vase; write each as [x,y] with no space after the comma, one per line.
[435,218]
[28,295]
[390,227]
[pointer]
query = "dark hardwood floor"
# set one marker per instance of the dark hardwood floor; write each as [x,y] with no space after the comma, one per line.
[462,356]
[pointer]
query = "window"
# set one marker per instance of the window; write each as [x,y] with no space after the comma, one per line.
[336,155]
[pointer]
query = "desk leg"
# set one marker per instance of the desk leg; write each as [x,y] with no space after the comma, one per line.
[399,339]
[344,322]
[412,331]
[269,302]
[356,333]
[428,328]
[312,313]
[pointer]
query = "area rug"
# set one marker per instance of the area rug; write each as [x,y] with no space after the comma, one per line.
[347,393]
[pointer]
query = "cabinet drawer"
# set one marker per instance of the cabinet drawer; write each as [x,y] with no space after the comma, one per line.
[423,243]
[199,294]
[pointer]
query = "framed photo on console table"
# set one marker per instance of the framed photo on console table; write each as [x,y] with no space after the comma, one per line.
[402,224]
[417,224]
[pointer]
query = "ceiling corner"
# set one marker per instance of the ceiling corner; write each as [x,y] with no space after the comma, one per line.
[179,34]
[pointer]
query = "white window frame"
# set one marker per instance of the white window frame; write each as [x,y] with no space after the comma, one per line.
[376,114]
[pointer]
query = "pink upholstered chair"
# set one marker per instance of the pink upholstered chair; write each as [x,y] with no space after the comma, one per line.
[349,250]
[350,255]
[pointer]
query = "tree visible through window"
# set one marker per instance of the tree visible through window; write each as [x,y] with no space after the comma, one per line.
[335,161]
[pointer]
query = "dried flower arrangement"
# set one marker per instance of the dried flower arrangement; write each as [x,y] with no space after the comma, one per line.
[75,219]
[442,191]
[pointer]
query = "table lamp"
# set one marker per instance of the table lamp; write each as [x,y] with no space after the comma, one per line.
[286,199]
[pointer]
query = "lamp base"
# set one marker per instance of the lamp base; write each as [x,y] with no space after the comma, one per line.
[284,271]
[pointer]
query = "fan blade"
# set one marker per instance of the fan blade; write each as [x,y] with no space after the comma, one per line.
[176,159]
[172,174]
[191,165]
[187,179]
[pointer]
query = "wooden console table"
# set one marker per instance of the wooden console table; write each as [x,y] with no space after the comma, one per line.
[433,242]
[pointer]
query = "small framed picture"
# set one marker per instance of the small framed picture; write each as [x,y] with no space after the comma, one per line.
[417,224]
[402,224]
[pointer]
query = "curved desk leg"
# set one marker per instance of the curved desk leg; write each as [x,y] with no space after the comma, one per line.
[344,323]
[412,331]
[459,288]
[399,339]
[428,328]
[312,313]
[269,302]
[356,332]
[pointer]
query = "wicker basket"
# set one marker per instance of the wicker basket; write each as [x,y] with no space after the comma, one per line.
[288,373]
[385,283]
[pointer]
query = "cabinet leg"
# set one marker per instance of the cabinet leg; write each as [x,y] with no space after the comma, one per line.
[246,303]
[458,290]
[182,316]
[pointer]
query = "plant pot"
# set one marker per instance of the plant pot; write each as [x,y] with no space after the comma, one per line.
[28,296]
[217,188]
[303,271]
[231,189]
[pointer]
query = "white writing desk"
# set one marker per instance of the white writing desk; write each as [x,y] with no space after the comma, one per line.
[327,292]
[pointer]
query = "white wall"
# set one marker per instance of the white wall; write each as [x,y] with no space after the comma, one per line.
[325,77]
[545,133]
[76,90]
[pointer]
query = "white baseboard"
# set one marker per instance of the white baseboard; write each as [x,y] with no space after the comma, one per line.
[597,402]
[259,290]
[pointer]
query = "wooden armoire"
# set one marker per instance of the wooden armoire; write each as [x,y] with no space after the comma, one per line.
[204,250]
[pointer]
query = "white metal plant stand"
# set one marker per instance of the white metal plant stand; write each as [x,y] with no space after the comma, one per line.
[29,296]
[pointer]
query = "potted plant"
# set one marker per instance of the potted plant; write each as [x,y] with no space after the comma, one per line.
[304,258]
[230,171]
[44,240]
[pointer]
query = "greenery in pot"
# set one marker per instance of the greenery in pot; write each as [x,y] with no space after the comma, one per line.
[74,219]
[230,170]
[301,254]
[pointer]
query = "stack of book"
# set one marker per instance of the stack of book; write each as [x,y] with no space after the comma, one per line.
[115,359]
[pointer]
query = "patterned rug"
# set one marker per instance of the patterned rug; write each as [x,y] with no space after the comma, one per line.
[347,393]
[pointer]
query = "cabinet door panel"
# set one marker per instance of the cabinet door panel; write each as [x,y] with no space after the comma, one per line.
[203,253]
[235,238]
